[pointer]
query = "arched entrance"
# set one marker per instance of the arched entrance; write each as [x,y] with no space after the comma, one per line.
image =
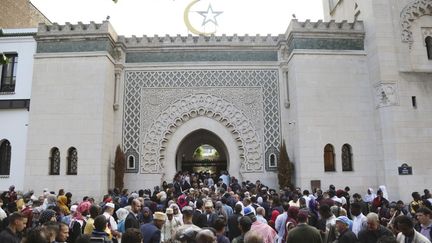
[218,136]
[202,151]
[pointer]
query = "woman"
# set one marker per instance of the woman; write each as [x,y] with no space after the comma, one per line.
[78,221]
[62,204]
[177,214]
[145,216]
[121,218]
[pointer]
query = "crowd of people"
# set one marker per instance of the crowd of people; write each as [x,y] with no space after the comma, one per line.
[205,208]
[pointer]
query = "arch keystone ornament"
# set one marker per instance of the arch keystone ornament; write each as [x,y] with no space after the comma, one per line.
[411,13]
[201,105]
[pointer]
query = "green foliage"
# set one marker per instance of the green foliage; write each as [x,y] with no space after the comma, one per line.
[119,167]
[198,153]
[3,59]
[285,168]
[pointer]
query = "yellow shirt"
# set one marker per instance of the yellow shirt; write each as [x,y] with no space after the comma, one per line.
[88,229]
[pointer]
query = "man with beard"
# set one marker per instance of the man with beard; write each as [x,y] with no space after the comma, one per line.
[151,232]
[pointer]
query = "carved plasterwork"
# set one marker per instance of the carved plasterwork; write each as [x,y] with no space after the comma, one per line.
[190,107]
[426,31]
[239,87]
[386,95]
[411,13]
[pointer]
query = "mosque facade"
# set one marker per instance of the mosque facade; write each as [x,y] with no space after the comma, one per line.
[350,96]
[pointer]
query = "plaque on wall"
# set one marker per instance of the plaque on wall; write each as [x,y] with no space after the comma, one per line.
[404,169]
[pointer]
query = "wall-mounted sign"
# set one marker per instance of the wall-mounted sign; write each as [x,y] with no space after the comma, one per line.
[404,169]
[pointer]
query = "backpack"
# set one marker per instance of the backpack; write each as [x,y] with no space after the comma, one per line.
[75,229]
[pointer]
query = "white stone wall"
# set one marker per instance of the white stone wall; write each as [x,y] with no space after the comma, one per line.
[333,104]
[403,131]
[14,122]
[72,106]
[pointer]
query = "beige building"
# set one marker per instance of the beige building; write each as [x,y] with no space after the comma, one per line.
[351,99]
[20,14]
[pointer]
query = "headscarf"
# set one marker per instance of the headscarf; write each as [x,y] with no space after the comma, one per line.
[122,213]
[82,208]
[181,201]
[384,191]
[46,216]
[148,219]
[369,197]
[179,215]
[62,203]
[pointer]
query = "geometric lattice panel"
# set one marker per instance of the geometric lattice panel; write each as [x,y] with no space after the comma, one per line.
[135,81]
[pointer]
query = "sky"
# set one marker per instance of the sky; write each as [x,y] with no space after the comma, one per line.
[172,17]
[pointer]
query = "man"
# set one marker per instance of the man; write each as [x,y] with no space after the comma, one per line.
[245,224]
[268,233]
[407,232]
[11,195]
[261,215]
[170,226]
[219,226]
[151,232]
[303,232]
[280,223]
[63,233]
[359,220]
[229,211]
[210,215]
[364,206]
[425,222]
[99,232]
[327,223]
[225,177]
[131,220]
[188,230]
[233,228]
[112,224]
[12,234]
[247,203]
[345,234]
[416,203]
[199,218]
[374,230]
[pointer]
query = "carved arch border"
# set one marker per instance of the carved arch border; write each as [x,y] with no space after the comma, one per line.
[196,105]
[412,12]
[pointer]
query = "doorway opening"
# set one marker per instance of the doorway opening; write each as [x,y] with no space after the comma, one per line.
[202,151]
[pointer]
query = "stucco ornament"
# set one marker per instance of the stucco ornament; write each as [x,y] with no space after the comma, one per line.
[190,107]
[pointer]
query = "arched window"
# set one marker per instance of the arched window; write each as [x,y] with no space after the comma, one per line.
[429,47]
[54,159]
[5,157]
[329,158]
[272,160]
[347,158]
[72,161]
[131,162]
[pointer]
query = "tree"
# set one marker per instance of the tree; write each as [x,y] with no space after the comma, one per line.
[3,59]
[119,168]
[285,168]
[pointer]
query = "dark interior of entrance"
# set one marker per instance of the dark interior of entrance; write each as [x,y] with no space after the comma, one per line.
[202,151]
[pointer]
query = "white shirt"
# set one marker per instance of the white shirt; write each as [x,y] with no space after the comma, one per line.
[280,225]
[359,223]
[261,219]
[111,222]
